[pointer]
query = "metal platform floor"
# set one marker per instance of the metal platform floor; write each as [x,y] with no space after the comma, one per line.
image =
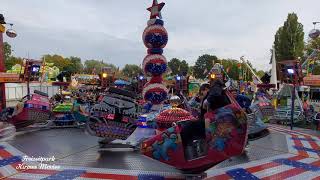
[73,149]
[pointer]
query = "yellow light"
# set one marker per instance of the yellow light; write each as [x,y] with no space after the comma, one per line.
[145,145]
[104,75]
[2,28]
[213,76]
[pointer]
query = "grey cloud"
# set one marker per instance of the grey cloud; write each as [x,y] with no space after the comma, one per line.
[112,29]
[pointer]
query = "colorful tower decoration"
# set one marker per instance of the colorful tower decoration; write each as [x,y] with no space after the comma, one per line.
[155,38]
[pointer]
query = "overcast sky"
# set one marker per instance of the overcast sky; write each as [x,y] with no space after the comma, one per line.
[111,29]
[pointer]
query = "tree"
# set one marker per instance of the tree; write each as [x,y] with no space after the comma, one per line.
[62,63]
[203,65]
[184,67]
[178,67]
[11,61]
[7,51]
[131,70]
[190,70]
[174,64]
[75,65]
[310,46]
[288,43]
[231,68]
[95,65]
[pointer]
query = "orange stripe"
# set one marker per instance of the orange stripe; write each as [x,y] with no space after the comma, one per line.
[313,144]
[296,158]
[262,167]
[317,163]
[108,176]
[270,165]
[317,178]
[4,153]
[298,143]
[291,172]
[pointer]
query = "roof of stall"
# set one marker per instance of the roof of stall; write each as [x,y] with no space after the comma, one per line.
[121,82]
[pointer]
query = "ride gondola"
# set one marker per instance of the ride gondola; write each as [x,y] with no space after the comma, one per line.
[114,117]
[31,109]
[195,145]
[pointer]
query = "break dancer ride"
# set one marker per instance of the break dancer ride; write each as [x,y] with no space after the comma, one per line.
[181,141]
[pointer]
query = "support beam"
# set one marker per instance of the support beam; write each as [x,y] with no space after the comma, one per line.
[2,69]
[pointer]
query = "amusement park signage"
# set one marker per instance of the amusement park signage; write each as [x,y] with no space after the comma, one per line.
[313,80]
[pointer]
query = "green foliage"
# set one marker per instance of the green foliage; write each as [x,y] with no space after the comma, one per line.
[91,65]
[260,73]
[131,70]
[7,50]
[178,67]
[231,67]
[10,60]
[316,70]
[200,70]
[203,65]
[190,70]
[310,46]
[59,61]
[288,43]
[76,65]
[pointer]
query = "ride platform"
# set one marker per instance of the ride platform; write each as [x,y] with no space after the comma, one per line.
[283,154]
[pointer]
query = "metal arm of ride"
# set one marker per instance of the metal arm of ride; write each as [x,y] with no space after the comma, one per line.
[249,67]
[313,54]
[299,100]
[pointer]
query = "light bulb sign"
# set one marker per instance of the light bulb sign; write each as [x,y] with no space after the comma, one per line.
[35,68]
[290,71]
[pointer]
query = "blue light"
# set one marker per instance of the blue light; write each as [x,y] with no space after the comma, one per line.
[290,71]
[35,68]
[178,78]
[141,77]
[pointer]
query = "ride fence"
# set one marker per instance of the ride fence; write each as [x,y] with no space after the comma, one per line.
[14,92]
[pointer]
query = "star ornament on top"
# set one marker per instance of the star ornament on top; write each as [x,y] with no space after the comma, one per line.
[155,9]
